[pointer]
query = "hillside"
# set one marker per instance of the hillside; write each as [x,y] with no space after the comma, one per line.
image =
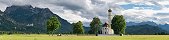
[161,26]
[29,19]
[143,29]
[165,27]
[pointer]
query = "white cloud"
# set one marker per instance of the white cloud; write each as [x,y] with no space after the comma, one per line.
[122,3]
[69,15]
[85,10]
[164,2]
[139,14]
[2,7]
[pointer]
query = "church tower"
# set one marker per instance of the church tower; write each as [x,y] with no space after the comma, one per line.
[106,29]
[109,17]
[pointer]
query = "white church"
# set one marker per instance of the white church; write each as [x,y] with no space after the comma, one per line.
[106,28]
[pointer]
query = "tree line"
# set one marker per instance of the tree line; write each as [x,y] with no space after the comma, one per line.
[118,25]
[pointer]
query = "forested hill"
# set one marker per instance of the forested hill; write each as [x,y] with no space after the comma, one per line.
[29,19]
[144,29]
[152,27]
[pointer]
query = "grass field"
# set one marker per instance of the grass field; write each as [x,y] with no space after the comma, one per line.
[73,37]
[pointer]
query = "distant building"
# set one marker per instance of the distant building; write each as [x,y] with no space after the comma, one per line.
[106,29]
[29,24]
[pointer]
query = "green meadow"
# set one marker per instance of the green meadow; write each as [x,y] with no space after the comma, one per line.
[82,37]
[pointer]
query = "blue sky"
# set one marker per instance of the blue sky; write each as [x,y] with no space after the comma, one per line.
[141,6]
[85,10]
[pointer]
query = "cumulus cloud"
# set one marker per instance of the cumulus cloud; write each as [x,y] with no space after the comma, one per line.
[148,11]
[162,14]
[85,10]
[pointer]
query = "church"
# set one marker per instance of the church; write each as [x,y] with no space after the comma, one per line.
[106,28]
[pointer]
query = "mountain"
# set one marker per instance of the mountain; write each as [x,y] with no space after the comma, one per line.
[149,23]
[4,23]
[1,12]
[143,29]
[164,27]
[30,19]
[86,29]
[131,23]
[142,23]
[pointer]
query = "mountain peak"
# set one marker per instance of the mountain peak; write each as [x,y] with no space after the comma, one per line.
[18,7]
[25,9]
[149,23]
[26,12]
[0,11]
[142,23]
[25,6]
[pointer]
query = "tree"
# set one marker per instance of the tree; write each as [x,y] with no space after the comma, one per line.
[95,25]
[53,24]
[78,28]
[118,24]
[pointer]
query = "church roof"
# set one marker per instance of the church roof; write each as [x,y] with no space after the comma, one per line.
[105,25]
[109,10]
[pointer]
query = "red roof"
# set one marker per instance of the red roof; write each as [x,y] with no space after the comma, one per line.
[105,25]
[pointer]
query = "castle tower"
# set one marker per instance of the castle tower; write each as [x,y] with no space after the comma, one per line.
[109,17]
